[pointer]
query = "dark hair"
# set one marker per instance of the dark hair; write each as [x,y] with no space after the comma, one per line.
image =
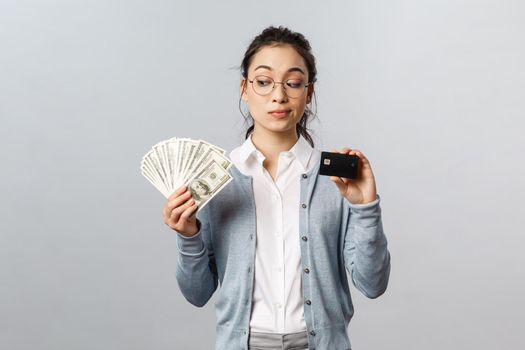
[272,36]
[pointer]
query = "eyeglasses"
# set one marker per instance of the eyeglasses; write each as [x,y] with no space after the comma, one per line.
[263,85]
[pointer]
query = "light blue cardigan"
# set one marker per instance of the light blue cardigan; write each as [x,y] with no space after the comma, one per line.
[334,235]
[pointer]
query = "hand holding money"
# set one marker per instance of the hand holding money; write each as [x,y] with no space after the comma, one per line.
[178,212]
[197,164]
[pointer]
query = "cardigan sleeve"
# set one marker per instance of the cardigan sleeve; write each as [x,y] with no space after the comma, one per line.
[196,270]
[366,254]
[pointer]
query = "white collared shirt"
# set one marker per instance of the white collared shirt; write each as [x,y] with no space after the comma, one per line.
[278,305]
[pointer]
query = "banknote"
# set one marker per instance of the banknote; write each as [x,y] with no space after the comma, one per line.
[198,164]
[205,184]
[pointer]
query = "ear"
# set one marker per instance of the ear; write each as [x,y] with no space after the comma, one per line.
[309,93]
[243,85]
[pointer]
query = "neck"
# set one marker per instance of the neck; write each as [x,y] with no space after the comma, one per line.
[271,144]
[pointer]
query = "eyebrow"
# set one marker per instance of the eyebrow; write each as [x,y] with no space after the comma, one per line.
[293,69]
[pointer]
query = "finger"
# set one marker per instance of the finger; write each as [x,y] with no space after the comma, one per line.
[177,201]
[345,150]
[169,201]
[170,207]
[354,153]
[178,192]
[188,212]
[339,181]
[173,217]
[362,157]
[176,213]
[336,179]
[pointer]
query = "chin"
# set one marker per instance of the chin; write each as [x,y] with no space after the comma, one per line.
[280,129]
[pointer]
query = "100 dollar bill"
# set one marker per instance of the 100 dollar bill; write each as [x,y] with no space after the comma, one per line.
[204,185]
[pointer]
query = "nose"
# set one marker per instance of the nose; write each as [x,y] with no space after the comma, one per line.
[278,93]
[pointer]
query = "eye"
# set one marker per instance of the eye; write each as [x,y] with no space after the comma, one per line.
[295,84]
[263,82]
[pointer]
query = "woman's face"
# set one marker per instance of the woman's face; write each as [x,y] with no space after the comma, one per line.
[281,63]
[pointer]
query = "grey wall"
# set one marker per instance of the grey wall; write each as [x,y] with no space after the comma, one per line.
[431,91]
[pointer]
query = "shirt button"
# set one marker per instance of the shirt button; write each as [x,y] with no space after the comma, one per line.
[303,205]
[305,238]
[312,332]
[305,176]
[308,302]
[307,270]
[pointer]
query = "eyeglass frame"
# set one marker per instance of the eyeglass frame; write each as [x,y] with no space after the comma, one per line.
[273,87]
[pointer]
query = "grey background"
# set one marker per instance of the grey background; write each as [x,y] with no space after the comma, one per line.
[431,91]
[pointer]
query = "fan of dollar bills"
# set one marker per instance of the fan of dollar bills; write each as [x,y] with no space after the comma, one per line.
[197,164]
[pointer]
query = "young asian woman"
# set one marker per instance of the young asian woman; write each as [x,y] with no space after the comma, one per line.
[280,238]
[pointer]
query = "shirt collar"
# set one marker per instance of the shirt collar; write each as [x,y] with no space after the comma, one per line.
[302,151]
[246,150]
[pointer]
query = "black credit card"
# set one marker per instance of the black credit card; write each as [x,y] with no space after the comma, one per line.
[338,164]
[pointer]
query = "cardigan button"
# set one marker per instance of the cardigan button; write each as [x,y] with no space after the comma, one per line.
[307,270]
[305,238]
[305,176]
[303,205]
[308,302]
[312,332]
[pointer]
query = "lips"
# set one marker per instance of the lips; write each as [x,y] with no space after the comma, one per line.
[280,113]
